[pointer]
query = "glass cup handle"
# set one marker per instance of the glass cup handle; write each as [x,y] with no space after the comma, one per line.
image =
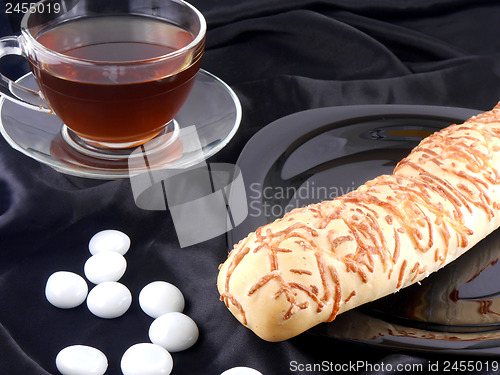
[11,45]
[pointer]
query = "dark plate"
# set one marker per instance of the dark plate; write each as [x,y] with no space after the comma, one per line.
[320,154]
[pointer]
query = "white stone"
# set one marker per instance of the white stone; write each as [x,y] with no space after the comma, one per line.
[105,266]
[66,289]
[81,360]
[146,359]
[109,299]
[241,371]
[174,331]
[159,297]
[109,240]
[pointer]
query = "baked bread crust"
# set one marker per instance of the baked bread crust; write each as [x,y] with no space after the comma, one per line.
[321,260]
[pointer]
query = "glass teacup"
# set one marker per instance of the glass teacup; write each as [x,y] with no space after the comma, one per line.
[115,72]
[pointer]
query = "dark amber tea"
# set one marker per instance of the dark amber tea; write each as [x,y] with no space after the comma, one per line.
[122,91]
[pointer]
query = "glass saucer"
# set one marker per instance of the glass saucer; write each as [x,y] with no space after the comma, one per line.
[212,109]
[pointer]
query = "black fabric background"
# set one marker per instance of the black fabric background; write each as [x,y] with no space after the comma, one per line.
[280,57]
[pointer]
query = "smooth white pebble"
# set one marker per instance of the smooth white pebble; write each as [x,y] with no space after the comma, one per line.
[241,371]
[109,299]
[66,289]
[109,240]
[146,359]
[160,297]
[105,266]
[174,331]
[81,360]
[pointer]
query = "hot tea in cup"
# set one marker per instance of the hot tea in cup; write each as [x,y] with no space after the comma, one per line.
[115,72]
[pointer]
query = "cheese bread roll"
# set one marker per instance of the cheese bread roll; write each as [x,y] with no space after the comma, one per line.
[323,259]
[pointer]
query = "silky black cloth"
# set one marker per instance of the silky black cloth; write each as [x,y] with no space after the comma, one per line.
[280,57]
